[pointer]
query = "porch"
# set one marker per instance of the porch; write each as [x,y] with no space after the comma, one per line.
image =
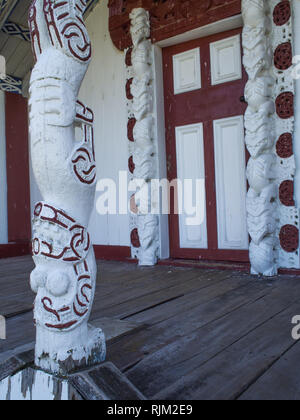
[180,333]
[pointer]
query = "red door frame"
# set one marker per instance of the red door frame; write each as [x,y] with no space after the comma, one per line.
[183,115]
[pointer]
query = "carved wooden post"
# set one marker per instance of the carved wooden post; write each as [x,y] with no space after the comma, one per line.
[143,150]
[260,137]
[65,274]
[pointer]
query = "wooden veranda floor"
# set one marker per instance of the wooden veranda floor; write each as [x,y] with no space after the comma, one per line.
[187,333]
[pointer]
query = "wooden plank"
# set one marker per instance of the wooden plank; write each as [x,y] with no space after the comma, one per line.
[280,382]
[160,334]
[16,351]
[12,308]
[113,384]
[153,281]
[219,316]
[19,331]
[191,351]
[113,328]
[9,367]
[87,391]
[227,291]
[230,372]
[148,300]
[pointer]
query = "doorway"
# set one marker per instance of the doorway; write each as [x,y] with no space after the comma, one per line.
[204,83]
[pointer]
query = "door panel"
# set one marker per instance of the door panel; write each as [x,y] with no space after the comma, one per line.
[230,183]
[190,166]
[220,152]
[187,72]
[225,58]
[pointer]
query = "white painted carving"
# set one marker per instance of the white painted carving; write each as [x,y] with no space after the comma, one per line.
[65,275]
[143,149]
[260,137]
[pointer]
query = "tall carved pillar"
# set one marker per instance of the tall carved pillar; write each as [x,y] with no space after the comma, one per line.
[260,137]
[65,275]
[143,150]
[283,96]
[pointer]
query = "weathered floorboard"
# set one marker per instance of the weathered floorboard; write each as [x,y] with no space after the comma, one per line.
[180,333]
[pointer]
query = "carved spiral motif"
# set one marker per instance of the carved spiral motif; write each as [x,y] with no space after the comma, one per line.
[283,56]
[282,13]
[78,41]
[84,165]
[285,105]
[135,239]
[286,193]
[284,146]
[289,238]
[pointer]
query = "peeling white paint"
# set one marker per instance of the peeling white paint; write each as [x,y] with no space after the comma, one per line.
[30,385]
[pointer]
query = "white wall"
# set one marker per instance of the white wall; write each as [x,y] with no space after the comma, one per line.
[3,183]
[103,90]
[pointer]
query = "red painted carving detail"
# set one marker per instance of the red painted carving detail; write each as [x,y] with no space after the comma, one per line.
[65,25]
[289,238]
[282,13]
[47,308]
[130,127]
[67,29]
[131,165]
[128,58]
[128,89]
[286,193]
[283,56]
[34,30]
[135,239]
[51,22]
[38,209]
[85,286]
[79,242]
[62,326]
[83,160]
[84,114]
[168,18]
[284,146]
[285,105]
[80,305]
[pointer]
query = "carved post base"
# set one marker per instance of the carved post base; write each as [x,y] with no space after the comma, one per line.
[63,353]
